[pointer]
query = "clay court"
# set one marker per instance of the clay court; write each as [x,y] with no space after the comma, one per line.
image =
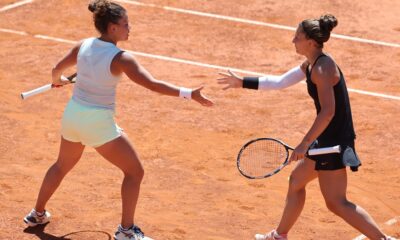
[192,189]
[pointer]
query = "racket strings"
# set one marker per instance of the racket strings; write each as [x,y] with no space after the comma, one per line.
[262,157]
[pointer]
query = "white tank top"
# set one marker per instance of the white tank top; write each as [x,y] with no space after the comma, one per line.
[95,85]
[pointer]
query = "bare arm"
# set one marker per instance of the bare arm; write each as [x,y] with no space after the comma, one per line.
[141,76]
[126,63]
[324,76]
[67,61]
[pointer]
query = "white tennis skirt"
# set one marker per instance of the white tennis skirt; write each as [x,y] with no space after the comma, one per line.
[90,126]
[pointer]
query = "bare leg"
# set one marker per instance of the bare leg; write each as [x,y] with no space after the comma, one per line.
[69,155]
[333,187]
[301,175]
[122,154]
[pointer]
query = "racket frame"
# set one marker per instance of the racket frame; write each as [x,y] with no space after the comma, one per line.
[311,152]
[275,171]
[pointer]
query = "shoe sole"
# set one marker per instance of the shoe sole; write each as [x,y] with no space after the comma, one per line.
[32,224]
[145,238]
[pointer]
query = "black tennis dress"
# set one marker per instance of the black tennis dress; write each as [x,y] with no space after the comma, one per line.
[340,130]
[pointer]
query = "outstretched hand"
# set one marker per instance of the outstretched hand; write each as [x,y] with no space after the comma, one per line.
[231,79]
[200,98]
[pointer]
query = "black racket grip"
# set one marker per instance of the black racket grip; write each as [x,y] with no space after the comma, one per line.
[71,77]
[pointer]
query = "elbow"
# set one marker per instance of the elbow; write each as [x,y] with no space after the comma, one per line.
[152,86]
[329,114]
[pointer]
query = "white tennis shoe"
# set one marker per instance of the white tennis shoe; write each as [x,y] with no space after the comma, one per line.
[133,233]
[34,218]
[273,235]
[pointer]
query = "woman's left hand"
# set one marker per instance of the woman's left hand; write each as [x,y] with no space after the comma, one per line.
[231,79]
[200,98]
[299,152]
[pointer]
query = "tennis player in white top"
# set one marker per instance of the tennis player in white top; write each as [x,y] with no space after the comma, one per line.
[88,119]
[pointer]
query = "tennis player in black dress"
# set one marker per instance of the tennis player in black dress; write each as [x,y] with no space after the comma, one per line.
[332,126]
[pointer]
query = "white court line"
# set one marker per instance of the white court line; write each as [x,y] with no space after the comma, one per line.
[54,39]
[393,221]
[13,31]
[388,223]
[14,5]
[247,21]
[178,60]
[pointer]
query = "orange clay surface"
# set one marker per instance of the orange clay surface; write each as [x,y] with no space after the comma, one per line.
[192,189]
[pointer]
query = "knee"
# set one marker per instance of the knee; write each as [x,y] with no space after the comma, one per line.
[336,206]
[60,169]
[135,172]
[140,173]
[296,184]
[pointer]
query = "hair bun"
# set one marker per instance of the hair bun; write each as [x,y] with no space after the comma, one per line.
[327,22]
[98,6]
[92,6]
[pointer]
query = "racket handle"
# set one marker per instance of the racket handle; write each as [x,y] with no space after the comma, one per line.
[71,78]
[325,150]
[44,88]
[35,91]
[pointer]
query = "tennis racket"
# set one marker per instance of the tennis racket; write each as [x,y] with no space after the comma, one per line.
[264,157]
[45,88]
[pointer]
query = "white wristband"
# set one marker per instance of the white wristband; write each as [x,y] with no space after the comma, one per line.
[185,93]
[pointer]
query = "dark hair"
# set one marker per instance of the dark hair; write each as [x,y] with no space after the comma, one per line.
[319,29]
[105,12]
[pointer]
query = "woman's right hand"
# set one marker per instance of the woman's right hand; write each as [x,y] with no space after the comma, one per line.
[61,81]
[231,79]
[200,98]
[299,152]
